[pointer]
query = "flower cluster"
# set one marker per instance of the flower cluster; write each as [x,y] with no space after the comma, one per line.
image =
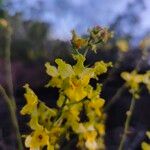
[96,36]
[133,81]
[75,95]
[79,105]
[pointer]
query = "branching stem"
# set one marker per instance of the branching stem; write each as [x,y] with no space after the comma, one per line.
[13,117]
[9,99]
[123,87]
[127,124]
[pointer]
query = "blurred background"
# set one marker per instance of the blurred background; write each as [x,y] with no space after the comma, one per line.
[41,32]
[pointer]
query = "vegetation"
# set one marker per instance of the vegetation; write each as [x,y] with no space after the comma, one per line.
[80,109]
[80,114]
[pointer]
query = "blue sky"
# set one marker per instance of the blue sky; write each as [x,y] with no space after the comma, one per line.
[65,15]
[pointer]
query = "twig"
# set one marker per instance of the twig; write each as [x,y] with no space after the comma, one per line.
[58,117]
[9,99]
[127,124]
[123,87]
[9,82]
[85,53]
[13,116]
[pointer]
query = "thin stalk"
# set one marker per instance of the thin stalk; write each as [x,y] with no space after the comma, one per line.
[10,101]
[8,70]
[13,116]
[58,117]
[59,113]
[85,53]
[123,87]
[127,124]
[73,103]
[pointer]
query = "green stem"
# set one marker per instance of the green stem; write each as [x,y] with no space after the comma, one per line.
[13,116]
[85,53]
[123,87]
[10,101]
[59,113]
[73,103]
[127,124]
[87,47]
[58,117]
[77,52]
[9,82]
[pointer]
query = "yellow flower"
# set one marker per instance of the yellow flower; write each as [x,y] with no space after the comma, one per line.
[71,114]
[74,80]
[45,114]
[33,123]
[77,41]
[79,66]
[77,101]
[76,91]
[90,135]
[54,135]
[122,45]
[86,75]
[38,138]
[133,80]
[90,138]
[32,101]
[92,94]
[145,146]
[78,83]
[101,67]
[101,128]
[87,136]
[55,82]
[96,105]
